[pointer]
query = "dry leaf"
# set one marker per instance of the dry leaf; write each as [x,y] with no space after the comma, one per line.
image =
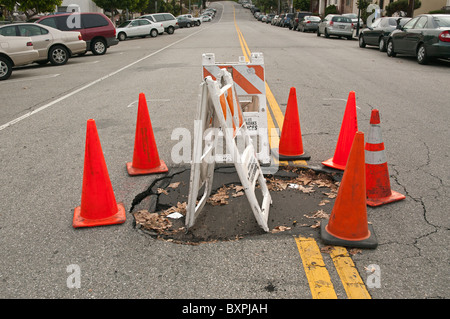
[174,185]
[238,194]
[163,191]
[354,251]
[219,198]
[319,214]
[280,229]
[323,202]
[152,221]
[326,249]
[306,190]
[316,225]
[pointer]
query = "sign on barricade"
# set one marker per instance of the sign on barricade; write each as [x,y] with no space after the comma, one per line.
[219,111]
[249,82]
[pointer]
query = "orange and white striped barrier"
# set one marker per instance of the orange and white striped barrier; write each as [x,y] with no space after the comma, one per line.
[249,83]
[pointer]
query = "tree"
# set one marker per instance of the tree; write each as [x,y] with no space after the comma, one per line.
[401,5]
[302,5]
[113,5]
[32,7]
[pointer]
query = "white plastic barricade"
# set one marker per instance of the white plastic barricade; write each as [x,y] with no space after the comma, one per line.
[219,109]
[202,166]
[249,82]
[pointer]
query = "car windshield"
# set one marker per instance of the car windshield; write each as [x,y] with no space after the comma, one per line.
[392,22]
[123,25]
[342,19]
[313,18]
[352,16]
[443,21]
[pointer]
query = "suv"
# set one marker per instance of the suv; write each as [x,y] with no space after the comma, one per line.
[167,19]
[287,20]
[96,29]
[298,16]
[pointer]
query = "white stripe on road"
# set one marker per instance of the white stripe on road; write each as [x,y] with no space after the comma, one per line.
[39,77]
[62,98]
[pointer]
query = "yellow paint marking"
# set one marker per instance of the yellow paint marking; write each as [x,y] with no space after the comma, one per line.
[316,273]
[279,117]
[352,282]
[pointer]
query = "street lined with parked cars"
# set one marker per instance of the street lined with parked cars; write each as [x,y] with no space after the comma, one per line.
[425,37]
[55,38]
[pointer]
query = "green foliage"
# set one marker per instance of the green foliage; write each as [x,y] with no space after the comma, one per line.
[331,10]
[401,5]
[32,7]
[302,5]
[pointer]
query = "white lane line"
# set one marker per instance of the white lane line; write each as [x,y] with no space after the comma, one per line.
[31,78]
[62,98]
[151,100]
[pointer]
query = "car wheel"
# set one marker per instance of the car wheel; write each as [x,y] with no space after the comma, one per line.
[170,30]
[98,47]
[58,55]
[422,56]
[122,36]
[326,33]
[382,45]
[188,25]
[362,43]
[5,68]
[318,33]
[390,49]
[154,33]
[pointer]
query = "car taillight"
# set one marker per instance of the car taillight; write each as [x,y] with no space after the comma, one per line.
[29,44]
[352,25]
[296,20]
[80,37]
[331,23]
[444,36]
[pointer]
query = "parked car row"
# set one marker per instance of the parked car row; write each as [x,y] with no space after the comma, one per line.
[425,37]
[56,38]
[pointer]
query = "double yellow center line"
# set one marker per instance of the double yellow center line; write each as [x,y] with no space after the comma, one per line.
[274,108]
[316,272]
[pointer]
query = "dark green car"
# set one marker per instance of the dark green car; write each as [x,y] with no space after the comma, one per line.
[425,36]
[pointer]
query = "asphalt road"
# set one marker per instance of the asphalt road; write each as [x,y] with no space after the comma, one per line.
[42,138]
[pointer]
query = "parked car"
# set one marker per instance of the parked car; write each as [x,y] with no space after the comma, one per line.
[184,22]
[205,18]
[138,28]
[53,45]
[167,19]
[309,23]
[286,23]
[274,20]
[336,25]
[197,20]
[378,33]
[95,28]
[270,16]
[15,51]
[354,18]
[425,36]
[298,16]
[280,19]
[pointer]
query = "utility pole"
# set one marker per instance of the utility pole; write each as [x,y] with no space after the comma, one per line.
[411,8]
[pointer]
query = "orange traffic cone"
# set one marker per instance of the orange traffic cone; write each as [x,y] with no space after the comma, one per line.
[348,225]
[291,144]
[377,175]
[98,203]
[145,157]
[349,127]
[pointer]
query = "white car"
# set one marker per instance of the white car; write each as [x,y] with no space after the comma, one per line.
[205,18]
[53,45]
[138,28]
[15,51]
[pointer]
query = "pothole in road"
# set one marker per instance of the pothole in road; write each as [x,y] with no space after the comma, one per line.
[301,198]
